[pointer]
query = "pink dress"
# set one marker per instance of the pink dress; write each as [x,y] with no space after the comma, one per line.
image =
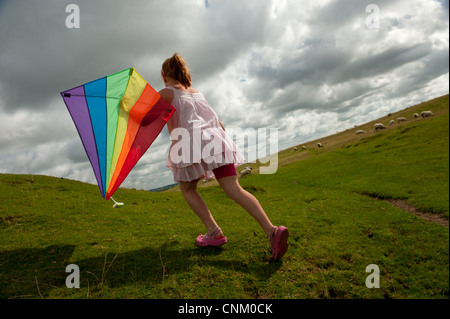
[199,144]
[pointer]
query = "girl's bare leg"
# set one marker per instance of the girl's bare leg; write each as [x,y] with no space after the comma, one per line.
[198,205]
[247,201]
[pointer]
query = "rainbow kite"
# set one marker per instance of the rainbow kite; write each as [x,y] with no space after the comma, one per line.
[117,117]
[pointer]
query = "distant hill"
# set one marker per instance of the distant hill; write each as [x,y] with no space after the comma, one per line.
[163,188]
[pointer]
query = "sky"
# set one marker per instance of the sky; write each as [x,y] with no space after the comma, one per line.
[307,68]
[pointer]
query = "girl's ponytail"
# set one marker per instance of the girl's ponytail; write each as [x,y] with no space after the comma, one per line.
[176,68]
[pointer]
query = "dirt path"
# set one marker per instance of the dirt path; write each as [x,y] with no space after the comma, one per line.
[434,218]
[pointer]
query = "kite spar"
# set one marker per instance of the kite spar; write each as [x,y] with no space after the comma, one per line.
[117,118]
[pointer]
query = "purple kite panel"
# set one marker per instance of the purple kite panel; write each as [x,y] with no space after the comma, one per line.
[76,104]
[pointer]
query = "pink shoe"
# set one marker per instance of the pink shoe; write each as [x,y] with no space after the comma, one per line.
[211,239]
[279,242]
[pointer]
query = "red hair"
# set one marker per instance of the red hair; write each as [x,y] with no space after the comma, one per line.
[176,68]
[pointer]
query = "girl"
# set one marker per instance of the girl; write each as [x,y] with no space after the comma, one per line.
[193,115]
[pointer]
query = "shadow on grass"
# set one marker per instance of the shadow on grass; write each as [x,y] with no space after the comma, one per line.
[34,273]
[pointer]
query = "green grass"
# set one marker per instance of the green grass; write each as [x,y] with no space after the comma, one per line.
[146,249]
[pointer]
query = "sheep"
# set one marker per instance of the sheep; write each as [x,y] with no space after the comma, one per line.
[246,171]
[319,145]
[416,115]
[303,147]
[391,122]
[379,126]
[295,149]
[426,114]
[401,119]
[360,132]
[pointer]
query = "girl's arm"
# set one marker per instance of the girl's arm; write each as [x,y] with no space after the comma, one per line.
[167,94]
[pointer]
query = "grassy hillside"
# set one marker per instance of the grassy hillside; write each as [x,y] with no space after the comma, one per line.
[438,106]
[408,161]
[329,198]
